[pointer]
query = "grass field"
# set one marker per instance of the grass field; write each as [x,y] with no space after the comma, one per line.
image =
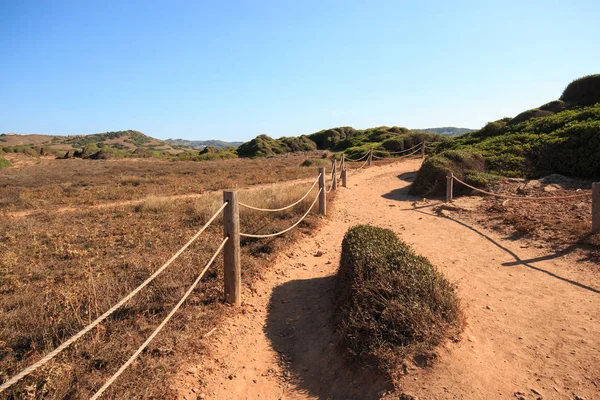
[59,271]
[46,183]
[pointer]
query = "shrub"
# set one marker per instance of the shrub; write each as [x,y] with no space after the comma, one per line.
[261,146]
[392,303]
[4,163]
[316,162]
[527,115]
[584,91]
[431,178]
[155,205]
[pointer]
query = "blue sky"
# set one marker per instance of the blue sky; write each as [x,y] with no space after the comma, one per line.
[233,70]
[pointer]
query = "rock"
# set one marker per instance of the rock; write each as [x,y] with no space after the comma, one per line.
[406,396]
[318,254]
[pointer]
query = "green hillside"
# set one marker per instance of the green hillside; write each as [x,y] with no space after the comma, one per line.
[201,144]
[447,131]
[118,144]
[561,137]
[353,142]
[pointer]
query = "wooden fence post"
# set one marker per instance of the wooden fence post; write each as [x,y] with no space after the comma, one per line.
[596,207]
[231,251]
[370,158]
[343,163]
[449,186]
[423,150]
[334,182]
[343,177]
[322,195]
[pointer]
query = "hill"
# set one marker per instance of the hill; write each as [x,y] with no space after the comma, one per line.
[200,144]
[562,137]
[119,144]
[353,142]
[446,131]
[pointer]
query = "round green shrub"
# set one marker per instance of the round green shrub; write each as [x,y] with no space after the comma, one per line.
[431,178]
[584,91]
[527,115]
[4,163]
[392,304]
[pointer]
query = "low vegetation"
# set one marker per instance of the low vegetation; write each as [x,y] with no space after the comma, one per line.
[51,184]
[59,271]
[353,142]
[560,137]
[393,305]
[4,163]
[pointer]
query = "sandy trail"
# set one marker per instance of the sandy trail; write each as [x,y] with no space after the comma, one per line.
[533,319]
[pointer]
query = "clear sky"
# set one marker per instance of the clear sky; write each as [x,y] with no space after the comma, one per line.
[232,70]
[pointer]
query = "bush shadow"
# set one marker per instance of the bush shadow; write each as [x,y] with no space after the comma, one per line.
[300,328]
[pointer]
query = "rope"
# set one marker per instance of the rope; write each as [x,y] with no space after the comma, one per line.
[404,156]
[357,160]
[285,230]
[576,196]
[332,179]
[361,167]
[282,208]
[101,318]
[398,152]
[159,328]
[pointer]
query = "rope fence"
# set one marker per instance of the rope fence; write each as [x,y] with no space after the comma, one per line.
[161,326]
[114,308]
[282,208]
[285,230]
[595,195]
[401,151]
[403,156]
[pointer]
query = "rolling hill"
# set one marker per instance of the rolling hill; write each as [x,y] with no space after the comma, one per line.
[559,137]
[200,144]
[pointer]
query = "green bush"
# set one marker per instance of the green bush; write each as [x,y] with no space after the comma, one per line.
[392,304]
[527,115]
[28,150]
[316,162]
[261,146]
[4,163]
[584,91]
[431,178]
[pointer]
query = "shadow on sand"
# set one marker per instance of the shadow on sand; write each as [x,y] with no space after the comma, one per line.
[300,328]
[402,195]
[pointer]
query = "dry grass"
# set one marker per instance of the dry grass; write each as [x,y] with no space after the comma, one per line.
[58,183]
[59,271]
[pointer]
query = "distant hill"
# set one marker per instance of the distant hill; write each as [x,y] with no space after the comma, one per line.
[128,141]
[449,131]
[200,144]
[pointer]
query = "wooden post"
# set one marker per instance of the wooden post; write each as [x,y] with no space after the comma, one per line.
[343,163]
[370,158]
[322,195]
[231,251]
[423,149]
[344,177]
[334,173]
[449,186]
[596,207]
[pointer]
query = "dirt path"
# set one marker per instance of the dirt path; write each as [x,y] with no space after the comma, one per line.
[533,320]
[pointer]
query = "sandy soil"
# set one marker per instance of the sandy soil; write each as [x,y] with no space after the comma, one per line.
[533,317]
